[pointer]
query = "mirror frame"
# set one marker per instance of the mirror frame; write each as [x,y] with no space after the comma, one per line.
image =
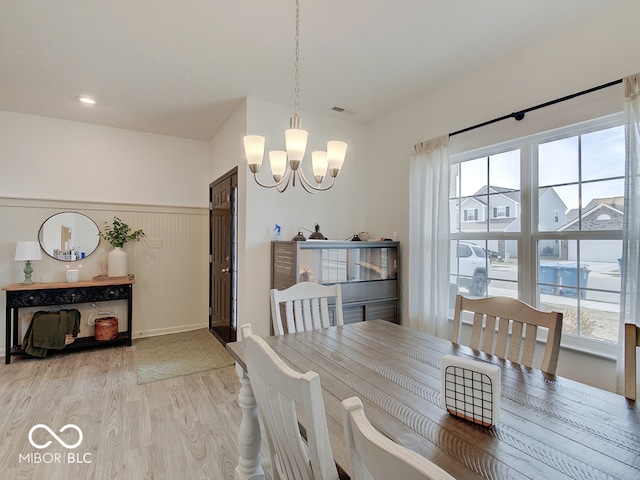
[83,251]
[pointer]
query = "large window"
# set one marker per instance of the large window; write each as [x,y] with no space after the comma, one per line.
[553,233]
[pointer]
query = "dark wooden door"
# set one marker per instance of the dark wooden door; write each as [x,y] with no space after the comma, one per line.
[222,248]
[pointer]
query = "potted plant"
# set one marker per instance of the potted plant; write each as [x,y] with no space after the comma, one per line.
[117,235]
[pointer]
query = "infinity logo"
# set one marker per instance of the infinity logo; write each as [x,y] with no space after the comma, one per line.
[66,427]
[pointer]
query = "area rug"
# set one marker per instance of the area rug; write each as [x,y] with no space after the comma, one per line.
[177,354]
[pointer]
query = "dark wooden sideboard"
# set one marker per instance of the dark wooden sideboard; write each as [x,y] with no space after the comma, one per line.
[66,294]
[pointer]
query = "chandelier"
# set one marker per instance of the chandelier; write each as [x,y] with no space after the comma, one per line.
[285,165]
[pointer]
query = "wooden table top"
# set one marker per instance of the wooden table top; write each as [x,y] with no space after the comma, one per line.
[550,427]
[17,287]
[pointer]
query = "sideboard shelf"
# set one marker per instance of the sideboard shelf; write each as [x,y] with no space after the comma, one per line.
[366,271]
[67,294]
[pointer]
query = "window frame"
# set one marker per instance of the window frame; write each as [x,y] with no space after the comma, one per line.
[529,235]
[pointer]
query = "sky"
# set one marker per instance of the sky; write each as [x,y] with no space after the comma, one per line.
[559,163]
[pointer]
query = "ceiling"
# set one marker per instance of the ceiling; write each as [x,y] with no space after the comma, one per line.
[181,67]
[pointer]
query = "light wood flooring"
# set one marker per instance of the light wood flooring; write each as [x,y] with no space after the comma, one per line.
[183,428]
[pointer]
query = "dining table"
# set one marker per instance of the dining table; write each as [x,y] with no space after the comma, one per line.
[549,427]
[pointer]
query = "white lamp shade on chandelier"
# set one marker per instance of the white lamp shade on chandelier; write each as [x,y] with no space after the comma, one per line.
[285,165]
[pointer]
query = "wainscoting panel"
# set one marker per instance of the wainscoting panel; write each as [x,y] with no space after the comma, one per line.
[170,264]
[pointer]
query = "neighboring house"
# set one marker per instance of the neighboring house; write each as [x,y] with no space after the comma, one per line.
[501,208]
[599,214]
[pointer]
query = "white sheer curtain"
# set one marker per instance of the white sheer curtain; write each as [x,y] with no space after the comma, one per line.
[429,237]
[630,300]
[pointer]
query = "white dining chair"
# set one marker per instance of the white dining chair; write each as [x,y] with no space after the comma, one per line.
[375,456]
[277,390]
[498,327]
[306,307]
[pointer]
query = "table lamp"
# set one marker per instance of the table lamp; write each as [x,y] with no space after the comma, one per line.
[27,251]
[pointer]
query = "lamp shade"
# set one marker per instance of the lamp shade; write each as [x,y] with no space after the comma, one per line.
[319,164]
[336,151]
[296,143]
[278,162]
[27,251]
[254,151]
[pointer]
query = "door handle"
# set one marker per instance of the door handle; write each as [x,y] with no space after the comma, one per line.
[225,270]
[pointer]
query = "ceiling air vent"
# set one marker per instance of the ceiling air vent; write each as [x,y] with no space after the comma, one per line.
[348,111]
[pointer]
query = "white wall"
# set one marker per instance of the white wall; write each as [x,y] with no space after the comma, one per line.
[339,211]
[589,53]
[62,160]
[152,182]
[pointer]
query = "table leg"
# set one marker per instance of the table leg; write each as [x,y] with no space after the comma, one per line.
[249,433]
[7,357]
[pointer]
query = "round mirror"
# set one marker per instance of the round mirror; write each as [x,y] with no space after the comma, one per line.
[69,236]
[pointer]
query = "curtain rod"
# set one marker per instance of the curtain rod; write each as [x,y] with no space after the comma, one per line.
[520,114]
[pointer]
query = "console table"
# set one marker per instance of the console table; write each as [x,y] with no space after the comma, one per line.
[43,294]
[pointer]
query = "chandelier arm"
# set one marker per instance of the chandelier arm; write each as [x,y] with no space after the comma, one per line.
[289,175]
[286,177]
[307,184]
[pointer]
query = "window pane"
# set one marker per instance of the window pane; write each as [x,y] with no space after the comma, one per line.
[558,162]
[473,176]
[603,154]
[470,267]
[504,211]
[553,207]
[603,205]
[583,282]
[504,170]
[474,213]
[503,275]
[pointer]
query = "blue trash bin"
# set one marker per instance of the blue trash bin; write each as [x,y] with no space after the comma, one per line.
[548,273]
[620,266]
[569,278]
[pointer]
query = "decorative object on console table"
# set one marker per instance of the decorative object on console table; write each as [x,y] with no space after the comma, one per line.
[117,235]
[27,251]
[106,328]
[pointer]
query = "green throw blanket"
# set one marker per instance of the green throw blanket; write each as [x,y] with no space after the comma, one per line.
[48,331]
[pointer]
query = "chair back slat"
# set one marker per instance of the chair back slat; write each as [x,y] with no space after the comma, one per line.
[515,342]
[306,307]
[503,338]
[489,334]
[631,342]
[514,318]
[529,343]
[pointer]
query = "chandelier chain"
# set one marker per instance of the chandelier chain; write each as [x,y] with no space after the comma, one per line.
[297,64]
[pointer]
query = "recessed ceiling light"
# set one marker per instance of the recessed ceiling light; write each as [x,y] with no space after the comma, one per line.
[86,100]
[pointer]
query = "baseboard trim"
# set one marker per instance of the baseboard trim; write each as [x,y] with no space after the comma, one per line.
[166,331]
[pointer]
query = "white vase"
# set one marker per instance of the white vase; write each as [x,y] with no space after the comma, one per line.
[117,263]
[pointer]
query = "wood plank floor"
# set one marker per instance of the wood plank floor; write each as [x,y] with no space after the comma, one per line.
[182,428]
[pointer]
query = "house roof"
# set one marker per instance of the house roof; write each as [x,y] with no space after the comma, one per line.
[615,203]
[182,68]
